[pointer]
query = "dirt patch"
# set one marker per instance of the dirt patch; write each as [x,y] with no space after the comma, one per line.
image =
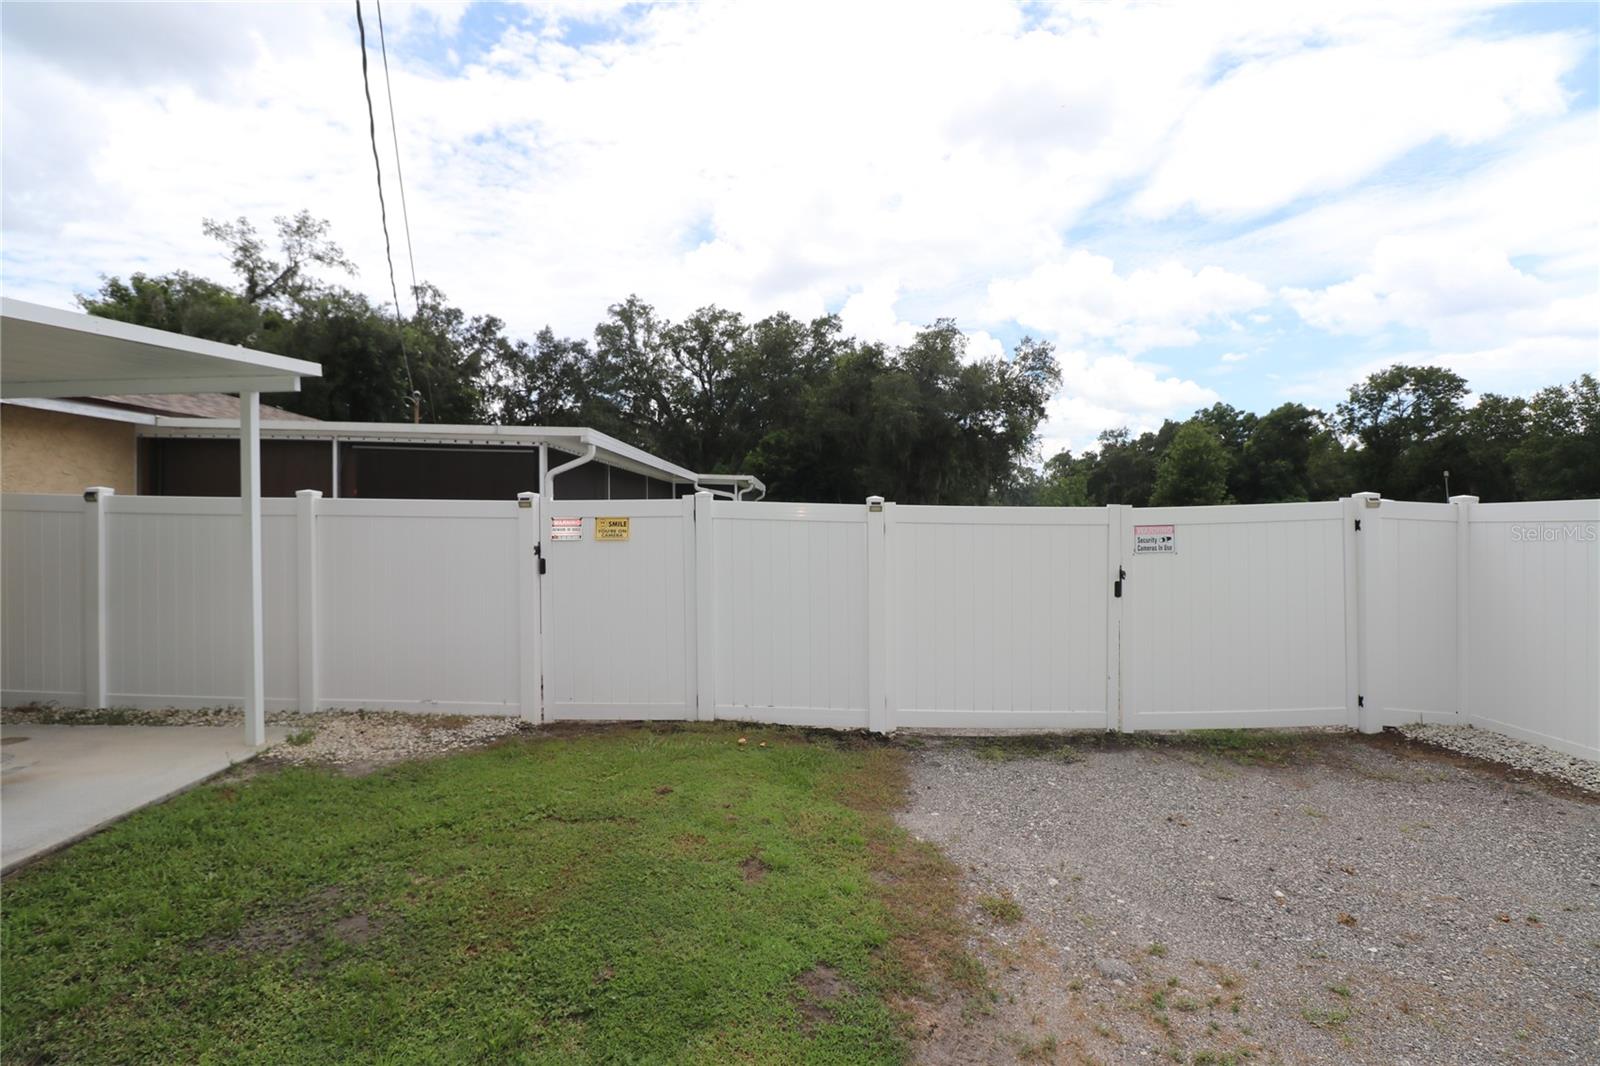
[819,988]
[754,870]
[314,917]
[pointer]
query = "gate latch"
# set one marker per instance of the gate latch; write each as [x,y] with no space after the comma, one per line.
[538,549]
[1122,575]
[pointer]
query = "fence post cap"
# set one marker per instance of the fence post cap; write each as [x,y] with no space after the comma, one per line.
[1463,499]
[308,494]
[94,492]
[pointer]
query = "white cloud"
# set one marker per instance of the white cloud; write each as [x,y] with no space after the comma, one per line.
[1321,118]
[1104,392]
[1049,169]
[1459,295]
[1082,297]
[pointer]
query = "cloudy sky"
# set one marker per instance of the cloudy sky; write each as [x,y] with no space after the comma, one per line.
[1195,202]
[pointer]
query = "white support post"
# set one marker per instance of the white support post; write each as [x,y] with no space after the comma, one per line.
[1464,505]
[95,500]
[305,528]
[877,618]
[705,607]
[530,639]
[255,717]
[1369,542]
[1114,563]
[891,703]
[1352,611]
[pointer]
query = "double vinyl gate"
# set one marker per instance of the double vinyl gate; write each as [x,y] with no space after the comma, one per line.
[885,616]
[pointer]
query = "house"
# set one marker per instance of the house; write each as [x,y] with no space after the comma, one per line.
[187,445]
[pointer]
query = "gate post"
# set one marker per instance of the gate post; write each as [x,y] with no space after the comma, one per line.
[705,606]
[530,649]
[1464,505]
[1114,562]
[1368,538]
[95,499]
[877,618]
[305,518]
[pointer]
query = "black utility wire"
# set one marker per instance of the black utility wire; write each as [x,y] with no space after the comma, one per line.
[383,211]
[394,133]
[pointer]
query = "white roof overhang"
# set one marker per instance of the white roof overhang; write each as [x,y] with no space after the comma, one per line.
[47,352]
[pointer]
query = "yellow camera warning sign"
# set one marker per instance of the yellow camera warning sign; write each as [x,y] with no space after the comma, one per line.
[611,528]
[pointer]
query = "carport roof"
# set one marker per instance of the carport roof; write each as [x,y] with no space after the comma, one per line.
[47,352]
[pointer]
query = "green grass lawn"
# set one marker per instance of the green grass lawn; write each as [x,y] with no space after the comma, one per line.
[627,895]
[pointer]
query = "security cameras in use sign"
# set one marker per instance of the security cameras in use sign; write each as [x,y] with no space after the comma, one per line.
[1155,540]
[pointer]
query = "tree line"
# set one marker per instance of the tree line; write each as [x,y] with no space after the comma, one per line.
[823,416]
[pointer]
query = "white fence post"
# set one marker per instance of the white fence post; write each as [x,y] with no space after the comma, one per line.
[705,606]
[95,501]
[305,526]
[1369,698]
[1114,538]
[890,702]
[1353,631]
[1464,506]
[877,619]
[530,642]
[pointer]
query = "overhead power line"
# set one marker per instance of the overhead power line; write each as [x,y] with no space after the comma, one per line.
[383,211]
[399,174]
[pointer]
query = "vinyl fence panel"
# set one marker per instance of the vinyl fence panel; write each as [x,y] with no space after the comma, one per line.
[997,617]
[1533,624]
[1411,635]
[42,608]
[788,588]
[417,605]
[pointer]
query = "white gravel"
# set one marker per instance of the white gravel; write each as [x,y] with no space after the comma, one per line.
[351,739]
[1508,751]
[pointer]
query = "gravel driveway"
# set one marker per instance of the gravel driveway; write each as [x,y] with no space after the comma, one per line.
[1328,899]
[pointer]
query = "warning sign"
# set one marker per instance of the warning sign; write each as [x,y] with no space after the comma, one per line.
[1155,540]
[566,529]
[611,529]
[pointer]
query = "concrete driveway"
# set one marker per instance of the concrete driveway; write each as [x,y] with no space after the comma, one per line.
[62,782]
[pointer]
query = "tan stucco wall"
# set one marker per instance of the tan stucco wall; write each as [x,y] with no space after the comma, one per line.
[47,451]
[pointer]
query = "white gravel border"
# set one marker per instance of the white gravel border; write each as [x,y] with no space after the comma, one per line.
[1508,751]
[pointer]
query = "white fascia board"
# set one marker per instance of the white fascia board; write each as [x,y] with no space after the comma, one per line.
[93,386]
[84,410]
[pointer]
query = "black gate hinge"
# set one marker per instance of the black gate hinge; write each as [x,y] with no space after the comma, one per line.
[1358,525]
[538,549]
[1361,701]
[1122,575]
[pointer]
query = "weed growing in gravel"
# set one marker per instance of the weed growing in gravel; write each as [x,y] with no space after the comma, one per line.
[1158,950]
[1001,908]
[1340,990]
[1041,1050]
[301,738]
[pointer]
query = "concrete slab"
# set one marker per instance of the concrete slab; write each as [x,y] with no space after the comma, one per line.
[62,782]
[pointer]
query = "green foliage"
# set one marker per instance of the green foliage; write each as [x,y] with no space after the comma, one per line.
[633,896]
[822,416]
[1193,469]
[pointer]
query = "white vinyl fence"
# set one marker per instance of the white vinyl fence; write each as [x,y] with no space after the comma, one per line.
[1361,612]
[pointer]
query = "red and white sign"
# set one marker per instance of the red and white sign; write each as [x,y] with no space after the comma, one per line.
[1155,540]
[566,529]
